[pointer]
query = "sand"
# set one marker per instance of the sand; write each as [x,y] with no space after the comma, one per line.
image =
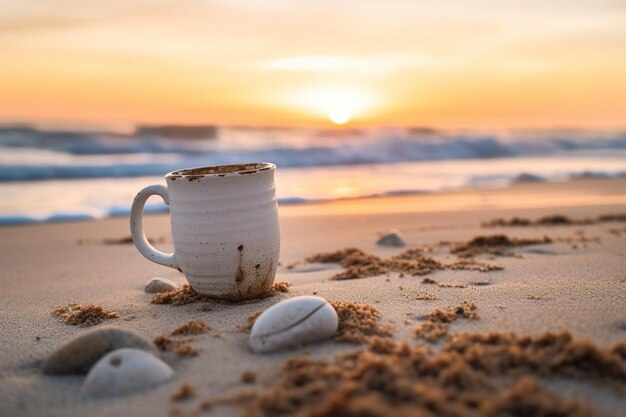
[576,283]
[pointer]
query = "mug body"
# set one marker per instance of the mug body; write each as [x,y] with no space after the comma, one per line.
[225,228]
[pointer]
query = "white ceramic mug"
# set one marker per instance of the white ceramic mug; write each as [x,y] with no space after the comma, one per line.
[224,226]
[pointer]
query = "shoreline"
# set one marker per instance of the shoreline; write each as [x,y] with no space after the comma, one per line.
[567,193]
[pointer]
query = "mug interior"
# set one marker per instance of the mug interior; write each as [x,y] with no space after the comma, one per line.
[223,170]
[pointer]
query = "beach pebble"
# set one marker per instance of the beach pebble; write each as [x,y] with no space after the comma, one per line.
[293,322]
[391,239]
[124,371]
[79,354]
[158,285]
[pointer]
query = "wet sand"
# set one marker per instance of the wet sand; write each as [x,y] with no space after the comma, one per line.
[577,283]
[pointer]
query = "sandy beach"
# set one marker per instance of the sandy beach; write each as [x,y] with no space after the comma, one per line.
[576,282]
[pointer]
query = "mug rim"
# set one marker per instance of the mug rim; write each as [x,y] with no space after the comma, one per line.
[222,170]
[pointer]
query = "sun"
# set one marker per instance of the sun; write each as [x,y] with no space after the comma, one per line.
[340,117]
[338,103]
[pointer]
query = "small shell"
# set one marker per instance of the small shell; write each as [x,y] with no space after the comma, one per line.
[80,353]
[158,285]
[124,371]
[293,322]
[391,239]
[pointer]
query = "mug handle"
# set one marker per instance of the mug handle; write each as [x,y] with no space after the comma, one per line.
[136,227]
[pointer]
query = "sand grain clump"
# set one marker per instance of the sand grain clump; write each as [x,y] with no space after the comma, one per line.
[448,285]
[248,377]
[282,286]
[473,265]
[249,322]
[438,320]
[613,217]
[442,284]
[484,374]
[196,326]
[185,392]
[336,257]
[551,220]
[181,347]
[358,322]
[499,245]
[188,295]
[554,220]
[83,314]
[426,296]
[359,264]
[181,296]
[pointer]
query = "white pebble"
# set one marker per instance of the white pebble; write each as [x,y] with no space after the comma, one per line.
[124,371]
[158,285]
[293,322]
[391,239]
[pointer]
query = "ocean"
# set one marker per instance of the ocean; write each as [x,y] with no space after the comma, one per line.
[54,175]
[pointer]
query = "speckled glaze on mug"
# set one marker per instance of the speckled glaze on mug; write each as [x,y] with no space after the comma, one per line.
[224,227]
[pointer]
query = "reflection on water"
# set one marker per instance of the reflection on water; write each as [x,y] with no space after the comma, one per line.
[103,197]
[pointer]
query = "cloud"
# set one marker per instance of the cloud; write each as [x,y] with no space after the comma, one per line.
[372,65]
[44,23]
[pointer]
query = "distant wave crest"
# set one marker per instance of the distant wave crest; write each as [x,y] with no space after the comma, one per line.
[102,154]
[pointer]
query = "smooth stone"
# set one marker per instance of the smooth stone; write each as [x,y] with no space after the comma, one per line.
[124,371]
[158,285]
[391,239]
[293,322]
[79,354]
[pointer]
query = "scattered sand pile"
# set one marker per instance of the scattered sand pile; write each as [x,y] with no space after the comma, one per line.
[554,220]
[502,222]
[579,237]
[473,265]
[472,375]
[617,231]
[282,286]
[249,322]
[547,355]
[181,346]
[438,320]
[336,256]
[359,264]
[499,245]
[248,377]
[410,255]
[359,322]
[185,392]
[613,217]
[188,295]
[191,327]
[185,295]
[620,349]
[426,296]
[443,284]
[83,314]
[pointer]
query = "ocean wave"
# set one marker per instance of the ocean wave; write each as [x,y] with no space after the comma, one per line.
[66,155]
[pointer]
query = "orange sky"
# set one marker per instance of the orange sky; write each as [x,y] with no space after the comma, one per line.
[471,64]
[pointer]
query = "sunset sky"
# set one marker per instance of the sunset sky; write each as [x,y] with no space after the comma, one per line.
[455,64]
